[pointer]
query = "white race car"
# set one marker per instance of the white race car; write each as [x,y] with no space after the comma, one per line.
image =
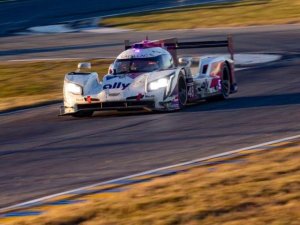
[149,76]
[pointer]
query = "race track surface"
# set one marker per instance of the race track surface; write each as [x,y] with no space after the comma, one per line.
[41,153]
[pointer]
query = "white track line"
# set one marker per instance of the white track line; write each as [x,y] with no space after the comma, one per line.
[24,204]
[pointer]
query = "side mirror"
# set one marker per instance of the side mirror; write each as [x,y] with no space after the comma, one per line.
[183,61]
[84,65]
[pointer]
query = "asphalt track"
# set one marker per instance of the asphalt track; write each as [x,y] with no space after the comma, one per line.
[41,153]
[18,15]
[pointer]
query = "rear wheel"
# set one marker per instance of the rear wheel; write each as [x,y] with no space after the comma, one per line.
[225,86]
[83,114]
[225,82]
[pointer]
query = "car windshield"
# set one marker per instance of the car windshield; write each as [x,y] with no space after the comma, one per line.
[137,65]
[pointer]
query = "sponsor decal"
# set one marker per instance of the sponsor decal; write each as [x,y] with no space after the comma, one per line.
[116,85]
[89,99]
[220,85]
[190,92]
[204,85]
[216,69]
[214,82]
[110,77]
[139,97]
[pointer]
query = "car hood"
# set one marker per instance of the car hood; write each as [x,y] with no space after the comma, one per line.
[135,80]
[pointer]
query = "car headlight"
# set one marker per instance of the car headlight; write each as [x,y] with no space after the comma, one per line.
[160,83]
[73,88]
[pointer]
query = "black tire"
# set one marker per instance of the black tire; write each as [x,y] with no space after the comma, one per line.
[83,114]
[225,86]
[182,92]
[225,82]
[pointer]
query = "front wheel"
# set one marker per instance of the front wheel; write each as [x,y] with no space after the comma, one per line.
[182,92]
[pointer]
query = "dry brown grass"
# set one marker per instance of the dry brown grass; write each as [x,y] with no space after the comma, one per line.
[265,189]
[243,13]
[26,83]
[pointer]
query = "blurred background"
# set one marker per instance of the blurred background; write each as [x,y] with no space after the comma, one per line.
[42,154]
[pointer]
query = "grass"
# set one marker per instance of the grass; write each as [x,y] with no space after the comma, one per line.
[265,189]
[26,83]
[241,13]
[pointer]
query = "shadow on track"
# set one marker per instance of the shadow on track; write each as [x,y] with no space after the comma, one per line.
[230,104]
[247,102]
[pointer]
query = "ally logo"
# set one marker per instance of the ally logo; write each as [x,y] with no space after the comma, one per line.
[116,85]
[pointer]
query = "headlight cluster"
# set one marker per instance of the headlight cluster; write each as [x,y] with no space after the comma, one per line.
[73,88]
[160,83]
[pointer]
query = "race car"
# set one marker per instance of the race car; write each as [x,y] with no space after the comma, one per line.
[149,75]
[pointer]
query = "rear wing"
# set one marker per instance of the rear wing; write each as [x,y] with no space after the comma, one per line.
[173,44]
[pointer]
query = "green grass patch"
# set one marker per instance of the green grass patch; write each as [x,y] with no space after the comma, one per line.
[262,190]
[26,83]
[242,13]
